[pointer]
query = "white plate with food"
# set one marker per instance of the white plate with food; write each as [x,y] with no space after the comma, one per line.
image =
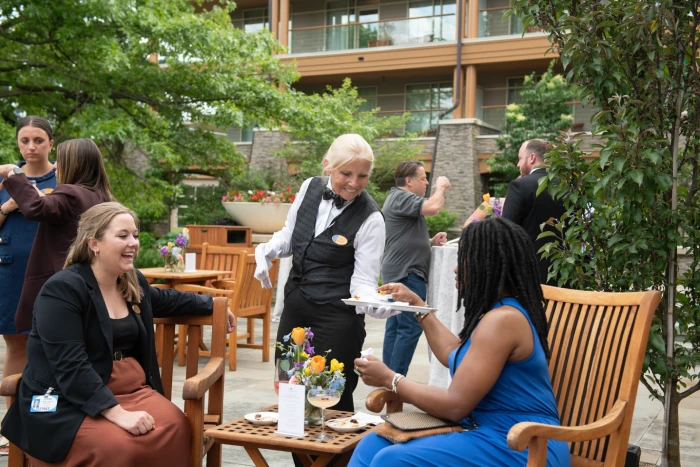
[400,306]
[345,425]
[262,418]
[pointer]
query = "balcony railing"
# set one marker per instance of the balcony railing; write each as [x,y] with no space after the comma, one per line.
[491,23]
[373,34]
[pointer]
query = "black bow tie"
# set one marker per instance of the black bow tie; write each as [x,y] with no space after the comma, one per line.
[337,200]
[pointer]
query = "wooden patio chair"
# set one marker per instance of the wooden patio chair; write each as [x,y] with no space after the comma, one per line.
[598,341]
[247,300]
[251,301]
[217,258]
[208,381]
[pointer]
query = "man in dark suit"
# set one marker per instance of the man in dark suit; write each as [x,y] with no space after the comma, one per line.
[522,204]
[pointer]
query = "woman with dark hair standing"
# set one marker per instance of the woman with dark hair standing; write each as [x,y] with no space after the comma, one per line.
[498,364]
[35,141]
[82,183]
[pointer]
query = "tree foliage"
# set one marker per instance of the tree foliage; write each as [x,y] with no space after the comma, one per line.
[638,63]
[542,113]
[87,66]
[336,112]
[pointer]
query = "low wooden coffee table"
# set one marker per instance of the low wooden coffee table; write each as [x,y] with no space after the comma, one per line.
[253,438]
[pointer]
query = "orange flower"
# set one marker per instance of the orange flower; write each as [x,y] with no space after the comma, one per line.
[318,364]
[298,335]
[487,197]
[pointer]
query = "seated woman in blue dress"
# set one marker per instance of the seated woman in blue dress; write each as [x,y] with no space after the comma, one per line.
[498,363]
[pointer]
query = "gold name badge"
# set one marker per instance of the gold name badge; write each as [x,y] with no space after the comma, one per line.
[340,240]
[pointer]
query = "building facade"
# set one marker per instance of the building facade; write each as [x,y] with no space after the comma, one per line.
[403,57]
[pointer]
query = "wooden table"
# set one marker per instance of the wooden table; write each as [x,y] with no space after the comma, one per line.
[200,276]
[253,438]
[188,277]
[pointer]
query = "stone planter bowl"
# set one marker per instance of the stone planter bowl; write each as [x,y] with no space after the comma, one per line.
[264,218]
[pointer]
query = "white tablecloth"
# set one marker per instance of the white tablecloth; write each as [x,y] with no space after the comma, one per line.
[283,275]
[442,294]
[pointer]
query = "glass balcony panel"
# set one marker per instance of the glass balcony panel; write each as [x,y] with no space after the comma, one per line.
[420,121]
[491,23]
[495,116]
[345,35]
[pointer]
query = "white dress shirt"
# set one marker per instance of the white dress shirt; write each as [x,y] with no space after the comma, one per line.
[369,241]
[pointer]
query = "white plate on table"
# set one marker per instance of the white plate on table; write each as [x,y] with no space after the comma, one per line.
[393,305]
[345,425]
[265,418]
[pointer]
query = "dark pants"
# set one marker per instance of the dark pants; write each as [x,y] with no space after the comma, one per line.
[336,326]
[403,331]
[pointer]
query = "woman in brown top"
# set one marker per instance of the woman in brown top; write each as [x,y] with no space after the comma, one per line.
[82,183]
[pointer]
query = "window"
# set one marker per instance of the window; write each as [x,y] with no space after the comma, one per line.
[514,87]
[250,20]
[426,102]
[429,25]
[369,94]
[255,20]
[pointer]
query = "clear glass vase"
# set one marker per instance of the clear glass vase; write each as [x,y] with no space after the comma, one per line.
[312,415]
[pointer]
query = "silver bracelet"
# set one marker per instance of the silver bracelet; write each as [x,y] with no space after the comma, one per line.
[395,382]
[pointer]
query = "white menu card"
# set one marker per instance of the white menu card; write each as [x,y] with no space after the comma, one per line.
[290,418]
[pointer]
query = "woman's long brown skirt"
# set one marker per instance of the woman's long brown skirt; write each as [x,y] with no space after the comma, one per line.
[100,442]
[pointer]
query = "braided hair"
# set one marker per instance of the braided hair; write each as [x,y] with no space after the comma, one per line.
[496,259]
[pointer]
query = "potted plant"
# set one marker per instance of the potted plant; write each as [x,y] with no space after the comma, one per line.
[260,199]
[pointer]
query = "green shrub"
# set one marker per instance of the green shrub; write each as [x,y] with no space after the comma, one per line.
[203,205]
[149,256]
[441,222]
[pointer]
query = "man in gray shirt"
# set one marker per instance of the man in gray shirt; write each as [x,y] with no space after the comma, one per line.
[407,253]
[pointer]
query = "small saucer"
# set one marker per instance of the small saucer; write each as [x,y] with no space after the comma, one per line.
[345,425]
[262,418]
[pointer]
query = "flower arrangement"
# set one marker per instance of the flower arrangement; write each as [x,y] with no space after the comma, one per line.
[282,195]
[173,254]
[490,207]
[309,369]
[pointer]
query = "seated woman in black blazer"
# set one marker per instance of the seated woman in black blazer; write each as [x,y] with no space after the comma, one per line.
[92,346]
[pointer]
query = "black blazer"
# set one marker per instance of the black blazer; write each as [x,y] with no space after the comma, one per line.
[70,349]
[529,211]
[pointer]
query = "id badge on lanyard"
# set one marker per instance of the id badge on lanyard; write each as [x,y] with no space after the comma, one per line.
[45,403]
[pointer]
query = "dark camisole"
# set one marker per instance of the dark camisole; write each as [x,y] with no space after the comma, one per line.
[125,332]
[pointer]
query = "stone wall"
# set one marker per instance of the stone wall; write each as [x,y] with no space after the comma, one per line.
[245,149]
[262,153]
[456,159]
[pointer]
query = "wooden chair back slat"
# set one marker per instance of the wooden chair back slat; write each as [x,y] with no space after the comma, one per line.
[597,341]
[221,258]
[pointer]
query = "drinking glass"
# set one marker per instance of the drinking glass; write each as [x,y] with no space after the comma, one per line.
[282,367]
[323,398]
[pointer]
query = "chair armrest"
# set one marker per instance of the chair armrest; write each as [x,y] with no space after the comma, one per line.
[227,284]
[377,399]
[202,289]
[196,386]
[521,434]
[9,385]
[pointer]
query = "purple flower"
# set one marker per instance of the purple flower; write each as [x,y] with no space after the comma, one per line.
[309,334]
[309,350]
[298,365]
[164,251]
[180,240]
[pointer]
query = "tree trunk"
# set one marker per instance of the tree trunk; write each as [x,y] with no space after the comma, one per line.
[672,447]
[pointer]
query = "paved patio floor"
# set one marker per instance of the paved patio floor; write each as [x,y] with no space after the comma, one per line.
[250,388]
